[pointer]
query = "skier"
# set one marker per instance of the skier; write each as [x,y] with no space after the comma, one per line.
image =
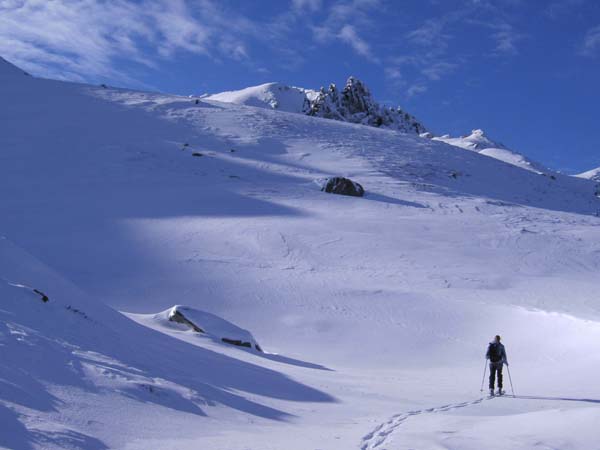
[497,356]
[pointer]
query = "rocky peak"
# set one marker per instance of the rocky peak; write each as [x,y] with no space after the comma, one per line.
[356,104]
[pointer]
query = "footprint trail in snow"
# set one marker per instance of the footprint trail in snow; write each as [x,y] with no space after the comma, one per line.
[376,438]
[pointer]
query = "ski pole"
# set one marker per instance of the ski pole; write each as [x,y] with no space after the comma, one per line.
[484,371]
[510,379]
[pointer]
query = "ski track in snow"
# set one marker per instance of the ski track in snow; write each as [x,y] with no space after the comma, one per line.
[376,438]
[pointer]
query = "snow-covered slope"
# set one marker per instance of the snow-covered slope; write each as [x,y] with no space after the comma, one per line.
[478,142]
[354,104]
[593,174]
[373,312]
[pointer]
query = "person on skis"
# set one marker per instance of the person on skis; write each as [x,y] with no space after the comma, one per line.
[496,354]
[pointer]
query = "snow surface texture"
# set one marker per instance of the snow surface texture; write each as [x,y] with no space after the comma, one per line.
[354,104]
[374,312]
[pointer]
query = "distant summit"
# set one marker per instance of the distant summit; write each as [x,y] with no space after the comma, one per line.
[593,174]
[478,142]
[354,104]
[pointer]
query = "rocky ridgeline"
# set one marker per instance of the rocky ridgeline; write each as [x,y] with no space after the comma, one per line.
[355,104]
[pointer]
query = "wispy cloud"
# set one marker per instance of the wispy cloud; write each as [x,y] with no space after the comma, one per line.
[416,89]
[342,23]
[431,33]
[75,39]
[591,42]
[349,35]
[428,53]
[506,38]
[437,70]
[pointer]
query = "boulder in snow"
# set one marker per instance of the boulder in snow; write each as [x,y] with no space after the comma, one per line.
[343,186]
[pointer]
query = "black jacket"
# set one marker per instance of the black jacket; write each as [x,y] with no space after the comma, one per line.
[496,352]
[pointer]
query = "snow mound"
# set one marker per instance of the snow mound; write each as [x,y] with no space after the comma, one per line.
[593,174]
[184,318]
[271,96]
[478,142]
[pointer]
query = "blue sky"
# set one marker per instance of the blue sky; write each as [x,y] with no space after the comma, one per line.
[526,71]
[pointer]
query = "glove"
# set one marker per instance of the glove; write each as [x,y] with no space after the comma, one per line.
[506,362]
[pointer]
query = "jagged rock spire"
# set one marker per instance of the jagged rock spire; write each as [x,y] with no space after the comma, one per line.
[356,104]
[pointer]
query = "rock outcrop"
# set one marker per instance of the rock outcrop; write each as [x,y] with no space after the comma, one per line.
[355,104]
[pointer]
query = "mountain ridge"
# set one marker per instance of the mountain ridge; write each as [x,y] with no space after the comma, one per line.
[354,104]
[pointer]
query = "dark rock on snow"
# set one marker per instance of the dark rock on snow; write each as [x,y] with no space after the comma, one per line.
[343,186]
[176,316]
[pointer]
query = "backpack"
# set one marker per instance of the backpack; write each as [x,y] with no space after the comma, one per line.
[495,352]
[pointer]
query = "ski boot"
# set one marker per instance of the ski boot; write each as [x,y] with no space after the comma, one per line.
[500,391]
[491,392]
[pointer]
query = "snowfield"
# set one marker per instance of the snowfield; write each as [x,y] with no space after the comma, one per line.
[373,314]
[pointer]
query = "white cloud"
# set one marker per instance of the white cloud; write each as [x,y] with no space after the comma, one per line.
[344,20]
[349,35]
[84,39]
[591,42]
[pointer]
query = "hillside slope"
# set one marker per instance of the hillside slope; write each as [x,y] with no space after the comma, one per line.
[373,312]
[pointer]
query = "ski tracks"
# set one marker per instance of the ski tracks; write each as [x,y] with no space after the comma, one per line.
[376,438]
